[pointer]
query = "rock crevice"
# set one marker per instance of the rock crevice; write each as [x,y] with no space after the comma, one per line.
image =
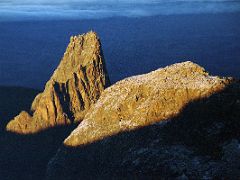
[76,84]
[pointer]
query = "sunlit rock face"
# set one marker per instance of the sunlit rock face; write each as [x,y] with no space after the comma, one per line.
[143,100]
[75,85]
[173,123]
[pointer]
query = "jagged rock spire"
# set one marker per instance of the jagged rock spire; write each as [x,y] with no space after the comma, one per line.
[75,85]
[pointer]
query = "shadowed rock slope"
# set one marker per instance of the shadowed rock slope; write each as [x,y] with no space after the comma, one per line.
[175,122]
[75,85]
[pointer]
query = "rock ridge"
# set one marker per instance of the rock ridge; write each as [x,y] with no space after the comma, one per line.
[145,99]
[177,122]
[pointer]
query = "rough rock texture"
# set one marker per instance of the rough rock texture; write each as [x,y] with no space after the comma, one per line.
[75,85]
[145,99]
[176,122]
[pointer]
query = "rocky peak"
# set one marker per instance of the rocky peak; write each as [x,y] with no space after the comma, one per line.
[75,85]
[172,123]
[145,99]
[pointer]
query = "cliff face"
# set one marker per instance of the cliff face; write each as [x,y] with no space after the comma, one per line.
[142,100]
[176,122]
[75,85]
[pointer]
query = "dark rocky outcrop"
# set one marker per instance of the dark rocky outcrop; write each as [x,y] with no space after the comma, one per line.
[75,85]
[176,122]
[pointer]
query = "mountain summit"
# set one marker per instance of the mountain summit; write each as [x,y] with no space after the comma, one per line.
[176,122]
[145,99]
[75,85]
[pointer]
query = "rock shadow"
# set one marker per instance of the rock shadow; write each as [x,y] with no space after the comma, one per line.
[25,156]
[192,144]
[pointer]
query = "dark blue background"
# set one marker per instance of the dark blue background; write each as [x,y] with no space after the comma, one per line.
[30,51]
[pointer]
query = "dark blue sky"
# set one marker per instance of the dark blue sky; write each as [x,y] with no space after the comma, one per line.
[84,9]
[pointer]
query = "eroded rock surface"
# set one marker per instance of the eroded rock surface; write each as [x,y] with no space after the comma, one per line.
[142,100]
[177,122]
[75,85]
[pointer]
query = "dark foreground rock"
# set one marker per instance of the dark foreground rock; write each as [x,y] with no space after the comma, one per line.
[177,122]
